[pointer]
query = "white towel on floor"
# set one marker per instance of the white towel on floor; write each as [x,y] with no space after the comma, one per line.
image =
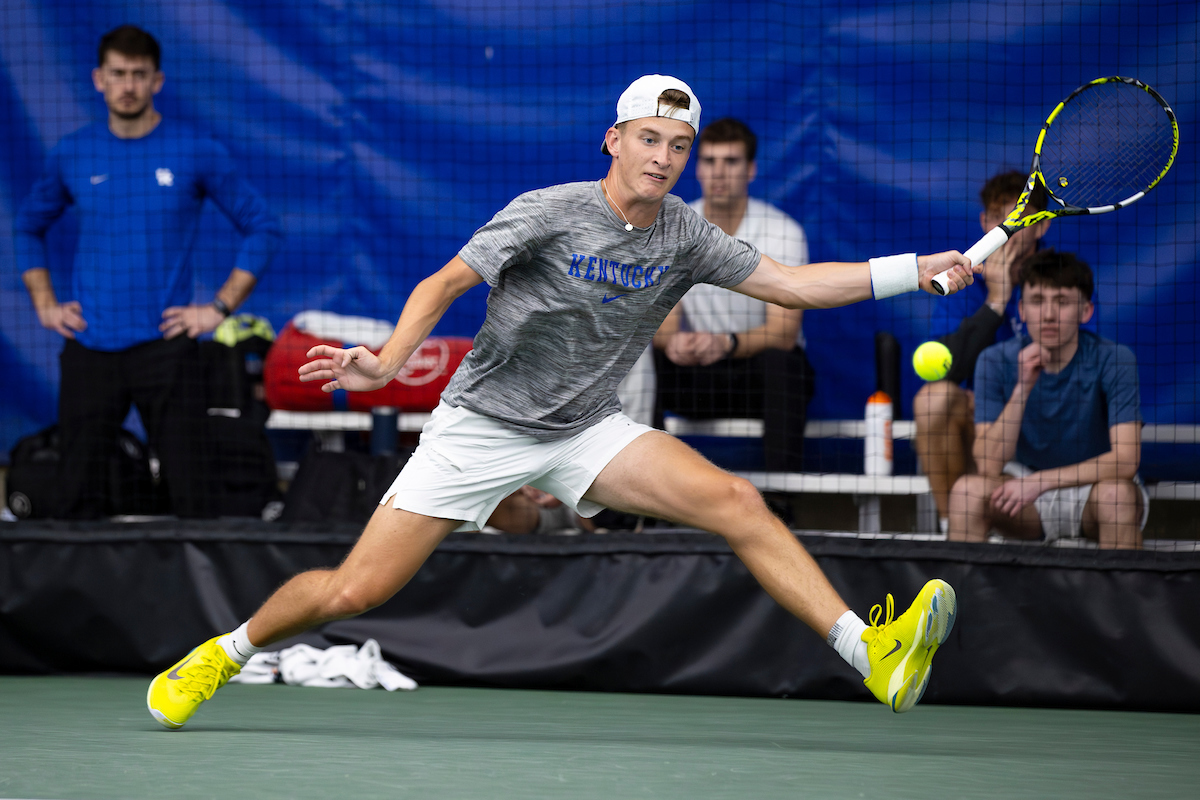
[261,668]
[342,666]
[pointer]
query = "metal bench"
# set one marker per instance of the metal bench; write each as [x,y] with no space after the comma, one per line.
[866,489]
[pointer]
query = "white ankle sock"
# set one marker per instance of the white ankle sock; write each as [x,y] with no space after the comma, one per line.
[237,644]
[846,637]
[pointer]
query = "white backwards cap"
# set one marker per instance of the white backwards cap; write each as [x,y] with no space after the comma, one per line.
[641,100]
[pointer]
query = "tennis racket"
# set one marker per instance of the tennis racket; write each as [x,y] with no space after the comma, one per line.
[1104,147]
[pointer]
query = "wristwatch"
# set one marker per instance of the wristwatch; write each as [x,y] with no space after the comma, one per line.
[221,308]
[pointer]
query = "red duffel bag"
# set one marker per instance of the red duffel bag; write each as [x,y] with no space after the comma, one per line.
[416,388]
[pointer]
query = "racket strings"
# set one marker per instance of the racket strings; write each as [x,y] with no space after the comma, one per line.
[1107,143]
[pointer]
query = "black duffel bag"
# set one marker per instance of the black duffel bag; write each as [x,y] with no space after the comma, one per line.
[340,487]
[33,481]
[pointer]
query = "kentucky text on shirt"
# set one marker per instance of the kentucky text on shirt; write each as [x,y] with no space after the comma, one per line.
[601,270]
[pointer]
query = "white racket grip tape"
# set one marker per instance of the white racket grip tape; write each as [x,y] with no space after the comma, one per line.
[992,241]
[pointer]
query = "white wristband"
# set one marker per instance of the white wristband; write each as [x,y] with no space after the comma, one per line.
[893,275]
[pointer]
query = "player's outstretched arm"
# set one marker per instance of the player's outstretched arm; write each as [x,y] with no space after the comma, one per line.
[358,369]
[834,284]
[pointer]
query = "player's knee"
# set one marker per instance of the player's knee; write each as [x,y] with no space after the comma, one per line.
[738,502]
[351,600]
[744,496]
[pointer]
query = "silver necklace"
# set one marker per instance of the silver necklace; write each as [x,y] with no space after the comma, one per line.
[628,224]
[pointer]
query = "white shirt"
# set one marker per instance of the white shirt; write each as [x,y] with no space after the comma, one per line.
[777,236]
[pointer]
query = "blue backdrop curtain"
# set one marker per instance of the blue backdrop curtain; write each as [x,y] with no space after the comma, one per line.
[385,133]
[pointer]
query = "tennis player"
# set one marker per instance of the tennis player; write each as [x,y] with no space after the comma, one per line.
[581,277]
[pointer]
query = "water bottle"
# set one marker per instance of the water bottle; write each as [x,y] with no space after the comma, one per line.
[383,430]
[877,443]
[878,439]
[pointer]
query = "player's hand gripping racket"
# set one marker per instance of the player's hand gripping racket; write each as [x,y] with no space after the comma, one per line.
[1104,147]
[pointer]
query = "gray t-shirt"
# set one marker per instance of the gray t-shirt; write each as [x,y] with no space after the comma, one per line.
[575,299]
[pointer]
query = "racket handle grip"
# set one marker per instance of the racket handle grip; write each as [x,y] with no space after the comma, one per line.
[992,241]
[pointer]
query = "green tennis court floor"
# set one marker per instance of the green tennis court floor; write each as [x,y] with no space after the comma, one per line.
[76,737]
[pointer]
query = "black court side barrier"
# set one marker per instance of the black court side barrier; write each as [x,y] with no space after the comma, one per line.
[671,611]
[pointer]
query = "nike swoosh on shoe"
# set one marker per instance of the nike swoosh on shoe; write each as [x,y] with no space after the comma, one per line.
[174,675]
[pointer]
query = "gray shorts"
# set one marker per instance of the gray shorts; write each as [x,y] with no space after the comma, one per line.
[1061,510]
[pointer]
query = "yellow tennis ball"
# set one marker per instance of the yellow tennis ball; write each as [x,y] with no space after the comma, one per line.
[932,361]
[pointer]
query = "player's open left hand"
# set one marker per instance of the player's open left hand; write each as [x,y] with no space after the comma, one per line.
[962,273]
[355,370]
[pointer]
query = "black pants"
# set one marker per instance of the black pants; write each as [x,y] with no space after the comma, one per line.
[164,380]
[774,386]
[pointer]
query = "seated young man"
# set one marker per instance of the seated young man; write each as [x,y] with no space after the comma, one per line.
[1058,423]
[978,317]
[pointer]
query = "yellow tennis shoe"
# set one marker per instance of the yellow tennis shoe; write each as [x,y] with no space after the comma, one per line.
[176,694]
[901,651]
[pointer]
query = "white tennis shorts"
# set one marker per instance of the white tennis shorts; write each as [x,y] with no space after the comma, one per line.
[466,463]
[1061,510]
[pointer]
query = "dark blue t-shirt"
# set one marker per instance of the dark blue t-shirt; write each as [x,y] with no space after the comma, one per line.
[1068,414]
[139,204]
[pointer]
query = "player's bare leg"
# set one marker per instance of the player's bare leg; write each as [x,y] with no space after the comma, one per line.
[657,475]
[944,437]
[1113,515]
[391,549]
[972,515]
[389,552]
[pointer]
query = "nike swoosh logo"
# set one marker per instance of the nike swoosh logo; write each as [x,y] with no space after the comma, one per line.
[98,179]
[174,675]
[894,649]
[608,299]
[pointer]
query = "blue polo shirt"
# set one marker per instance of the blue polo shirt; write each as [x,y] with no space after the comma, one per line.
[1068,414]
[139,204]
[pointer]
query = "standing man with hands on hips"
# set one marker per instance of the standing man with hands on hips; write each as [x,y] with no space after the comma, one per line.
[581,277]
[138,183]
